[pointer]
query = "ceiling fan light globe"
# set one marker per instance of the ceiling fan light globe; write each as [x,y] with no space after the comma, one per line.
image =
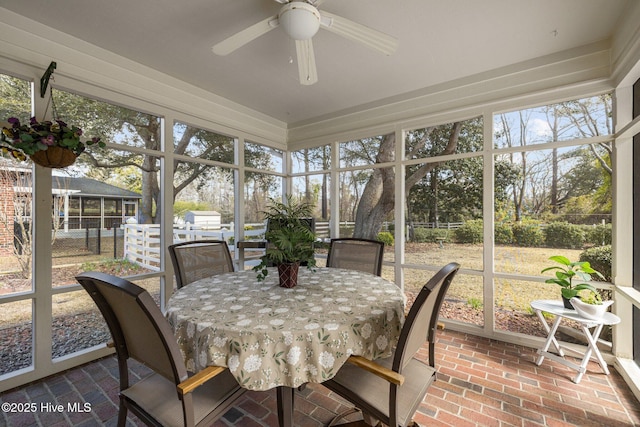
[301,21]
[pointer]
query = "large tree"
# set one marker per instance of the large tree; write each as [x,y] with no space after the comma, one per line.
[548,179]
[133,128]
[378,197]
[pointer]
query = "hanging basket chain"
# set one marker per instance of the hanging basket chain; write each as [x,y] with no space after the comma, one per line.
[44,83]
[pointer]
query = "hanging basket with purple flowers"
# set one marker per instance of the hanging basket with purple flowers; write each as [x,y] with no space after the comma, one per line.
[52,144]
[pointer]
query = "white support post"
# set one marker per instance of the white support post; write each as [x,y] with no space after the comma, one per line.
[400,207]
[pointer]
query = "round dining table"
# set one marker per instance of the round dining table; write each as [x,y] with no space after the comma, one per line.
[274,337]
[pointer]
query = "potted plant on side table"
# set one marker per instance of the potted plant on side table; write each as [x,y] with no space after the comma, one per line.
[567,274]
[290,240]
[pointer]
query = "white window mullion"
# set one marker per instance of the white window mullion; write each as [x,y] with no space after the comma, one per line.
[488,197]
[400,207]
[166,206]
[622,245]
[238,182]
[42,264]
[334,191]
[42,250]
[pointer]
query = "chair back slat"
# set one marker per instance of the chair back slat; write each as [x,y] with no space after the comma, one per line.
[422,319]
[200,259]
[137,326]
[356,254]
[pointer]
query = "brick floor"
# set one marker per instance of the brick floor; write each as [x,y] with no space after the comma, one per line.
[480,382]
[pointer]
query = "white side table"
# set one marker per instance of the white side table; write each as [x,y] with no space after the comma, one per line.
[556,308]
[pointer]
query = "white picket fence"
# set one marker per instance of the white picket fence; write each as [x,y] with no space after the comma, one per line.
[187,233]
[142,245]
[142,241]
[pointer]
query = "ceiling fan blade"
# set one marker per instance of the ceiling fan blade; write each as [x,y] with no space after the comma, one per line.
[306,62]
[243,37]
[357,32]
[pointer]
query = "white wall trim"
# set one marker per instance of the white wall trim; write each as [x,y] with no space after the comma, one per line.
[625,48]
[561,75]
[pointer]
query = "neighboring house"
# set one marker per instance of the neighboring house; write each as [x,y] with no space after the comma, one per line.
[85,202]
[78,203]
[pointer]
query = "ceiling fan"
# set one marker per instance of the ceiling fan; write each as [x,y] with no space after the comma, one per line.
[301,20]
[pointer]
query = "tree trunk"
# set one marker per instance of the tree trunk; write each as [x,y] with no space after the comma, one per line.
[411,231]
[376,203]
[146,204]
[433,213]
[378,197]
[150,187]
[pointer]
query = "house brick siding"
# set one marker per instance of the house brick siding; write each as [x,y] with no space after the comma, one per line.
[6,213]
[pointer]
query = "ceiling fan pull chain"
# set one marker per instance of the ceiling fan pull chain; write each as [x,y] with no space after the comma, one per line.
[292,48]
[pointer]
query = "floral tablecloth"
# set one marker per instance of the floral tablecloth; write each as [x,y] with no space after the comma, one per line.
[270,336]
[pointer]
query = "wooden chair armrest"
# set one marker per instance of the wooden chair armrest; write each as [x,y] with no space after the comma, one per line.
[191,383]
[379,370]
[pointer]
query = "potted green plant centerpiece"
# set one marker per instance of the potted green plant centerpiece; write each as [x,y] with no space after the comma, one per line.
[570,276]
[290,240]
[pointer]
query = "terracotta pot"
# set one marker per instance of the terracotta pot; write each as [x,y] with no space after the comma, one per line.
[288,274]
[54,157]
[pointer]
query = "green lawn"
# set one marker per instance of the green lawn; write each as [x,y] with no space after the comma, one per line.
[509,294]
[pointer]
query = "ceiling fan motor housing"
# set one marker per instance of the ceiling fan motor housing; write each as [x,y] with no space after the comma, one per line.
[300,20]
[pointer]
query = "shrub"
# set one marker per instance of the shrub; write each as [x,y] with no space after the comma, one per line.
[503,234]
[599,258]
[564,235]
[598,235]
[527,234]
[429,235]
[470,232]
[386,238]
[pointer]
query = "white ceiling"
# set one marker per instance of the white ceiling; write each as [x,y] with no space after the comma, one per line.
[438,41]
